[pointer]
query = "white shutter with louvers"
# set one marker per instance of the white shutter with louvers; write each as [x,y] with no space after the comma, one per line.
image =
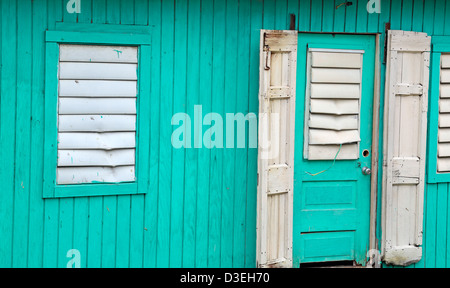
[443,157]
[278,64]
[405,132]
[333,104]
[96,114]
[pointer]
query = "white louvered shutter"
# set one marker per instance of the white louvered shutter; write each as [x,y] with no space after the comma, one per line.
[96,114]
[443,159]
[405,133]
[278,64]
[333,99]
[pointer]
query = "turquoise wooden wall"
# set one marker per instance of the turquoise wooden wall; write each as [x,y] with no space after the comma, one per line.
[201,209]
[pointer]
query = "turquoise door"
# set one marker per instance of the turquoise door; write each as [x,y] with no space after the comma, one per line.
[332,208]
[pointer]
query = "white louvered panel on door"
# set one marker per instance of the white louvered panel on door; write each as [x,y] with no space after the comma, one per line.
[443,160]
[97,114]
[333,104]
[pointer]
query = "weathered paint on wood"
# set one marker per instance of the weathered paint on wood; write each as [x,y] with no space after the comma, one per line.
[149,229]
[405,133]
[278,50]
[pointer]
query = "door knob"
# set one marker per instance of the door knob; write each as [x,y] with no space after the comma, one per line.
[366,170]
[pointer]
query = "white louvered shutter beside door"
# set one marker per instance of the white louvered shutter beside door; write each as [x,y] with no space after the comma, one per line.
[97,114]
[333,104]
[405,136]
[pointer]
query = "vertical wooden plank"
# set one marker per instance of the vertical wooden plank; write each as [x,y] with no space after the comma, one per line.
[179,106]
[36,219]
[304,15]
[141,12]
[327,15]
[110,203]
[293,8]
[228,188]
[362,15]
[242,98]
[137,231]
[7,137]
[127,12]
[109,226]
[339,17]
[350,16]
[123,231]
[428,16]
[165,150]
[441,225]
[252,160]
[99,11]
[94,248]
[407,15]
[86,11]
[127,9]
[191,168]
[417,23]
[373,21]
[204,155]
[50,233]
[151,199]
[113,11]
[65,229]
[52,206]
[217,158]
[316,16]
[137,201]
[447,23]
[95,205]
[70,17]
[384,18]
[269,17]
[396,14]
[430,233]
[80,228]
[23,134]
[439,17]
[281,15]
[81,205]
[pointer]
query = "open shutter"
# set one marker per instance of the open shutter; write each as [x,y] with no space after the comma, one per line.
[405,132]
[278,64]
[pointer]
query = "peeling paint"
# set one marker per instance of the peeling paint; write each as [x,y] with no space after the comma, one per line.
[403,255]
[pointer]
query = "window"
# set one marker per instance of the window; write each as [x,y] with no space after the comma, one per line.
[97,103]
[438,169]
[333,101]
[96,114]
[443,150]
